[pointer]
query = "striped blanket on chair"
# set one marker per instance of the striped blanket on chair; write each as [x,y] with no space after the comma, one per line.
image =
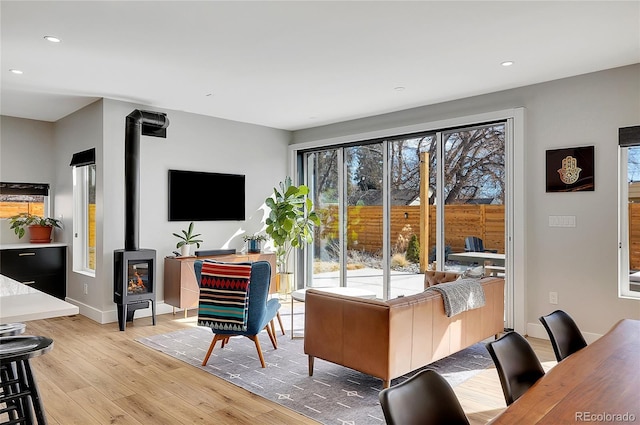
[224,296]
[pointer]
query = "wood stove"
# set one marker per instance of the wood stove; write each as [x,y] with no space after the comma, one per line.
[134,269]
[134,273]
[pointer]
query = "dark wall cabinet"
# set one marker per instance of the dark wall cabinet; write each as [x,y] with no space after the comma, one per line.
[44,268]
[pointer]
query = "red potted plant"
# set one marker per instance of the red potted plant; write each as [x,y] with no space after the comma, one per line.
[39,227]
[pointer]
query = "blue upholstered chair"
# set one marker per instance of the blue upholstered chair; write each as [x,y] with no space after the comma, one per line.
[261,311]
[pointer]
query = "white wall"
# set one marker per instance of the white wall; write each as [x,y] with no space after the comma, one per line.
[579,263]
[194,142]
[77,132]
[26,149]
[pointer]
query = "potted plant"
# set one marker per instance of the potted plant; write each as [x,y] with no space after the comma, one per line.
[290,224]
[39,227]
[187,238]
[254,243]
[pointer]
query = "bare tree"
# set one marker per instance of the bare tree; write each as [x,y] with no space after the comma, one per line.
[474,168]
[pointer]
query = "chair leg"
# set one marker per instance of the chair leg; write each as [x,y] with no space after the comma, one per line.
[254,338]
[280,321]
[273,326]
[215,339]
[311,365]
[272,336]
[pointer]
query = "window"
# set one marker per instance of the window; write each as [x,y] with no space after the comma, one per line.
[374,199]
[84,216]
[629,223]
[17,198]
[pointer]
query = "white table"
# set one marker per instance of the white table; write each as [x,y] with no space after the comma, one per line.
[300,294]
[21,303]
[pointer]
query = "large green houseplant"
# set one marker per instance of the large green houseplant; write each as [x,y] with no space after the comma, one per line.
[290,222]
[39,227]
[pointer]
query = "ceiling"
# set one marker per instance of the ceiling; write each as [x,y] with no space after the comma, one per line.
[298,64]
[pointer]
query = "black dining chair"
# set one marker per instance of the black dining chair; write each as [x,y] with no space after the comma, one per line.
[424,399]
[517,365]
[564,334]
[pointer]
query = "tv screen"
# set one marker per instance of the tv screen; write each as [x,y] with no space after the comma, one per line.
[201,196]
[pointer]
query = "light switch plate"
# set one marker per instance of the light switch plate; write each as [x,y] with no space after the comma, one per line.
[562,221]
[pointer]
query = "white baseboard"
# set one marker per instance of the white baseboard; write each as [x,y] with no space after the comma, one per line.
[536,330]
[110,316]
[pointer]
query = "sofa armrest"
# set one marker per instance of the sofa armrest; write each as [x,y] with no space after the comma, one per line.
[341,328]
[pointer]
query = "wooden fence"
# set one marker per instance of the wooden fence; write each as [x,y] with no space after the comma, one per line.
[9,209]
[634,236]
[485,221]
[364,226]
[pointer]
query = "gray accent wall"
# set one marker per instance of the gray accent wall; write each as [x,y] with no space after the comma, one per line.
[26,149]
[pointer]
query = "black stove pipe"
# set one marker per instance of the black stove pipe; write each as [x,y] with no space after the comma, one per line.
[137,122]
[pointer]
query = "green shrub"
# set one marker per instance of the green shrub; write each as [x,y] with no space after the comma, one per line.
[413,249]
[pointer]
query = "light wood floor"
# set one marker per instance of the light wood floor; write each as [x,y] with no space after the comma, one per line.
[96,374]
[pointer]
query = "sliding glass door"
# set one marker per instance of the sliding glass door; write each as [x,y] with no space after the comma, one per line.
[323,177]
[393,208]
[473,194]
[364,169]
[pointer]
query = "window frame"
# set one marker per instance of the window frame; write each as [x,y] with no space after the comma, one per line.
[624,283]
[81,219]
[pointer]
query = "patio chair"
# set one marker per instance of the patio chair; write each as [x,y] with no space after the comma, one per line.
[475,244]
[249,312]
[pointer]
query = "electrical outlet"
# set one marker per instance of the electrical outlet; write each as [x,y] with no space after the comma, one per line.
[86,288]
[553,298]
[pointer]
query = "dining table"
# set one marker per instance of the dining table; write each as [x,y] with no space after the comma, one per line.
[599,384]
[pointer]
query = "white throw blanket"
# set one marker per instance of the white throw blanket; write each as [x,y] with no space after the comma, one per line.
[460,295]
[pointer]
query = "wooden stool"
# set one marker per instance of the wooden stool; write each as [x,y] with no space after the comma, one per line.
[18,389]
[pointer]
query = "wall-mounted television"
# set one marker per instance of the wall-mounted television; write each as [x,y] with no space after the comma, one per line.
[203,196]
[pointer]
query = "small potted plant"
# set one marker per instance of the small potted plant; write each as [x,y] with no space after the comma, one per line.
[254,243]
[39,227]
[187,238]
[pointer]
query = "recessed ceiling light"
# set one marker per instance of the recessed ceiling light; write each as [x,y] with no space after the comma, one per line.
[52,39]
[15,71]
[507,63]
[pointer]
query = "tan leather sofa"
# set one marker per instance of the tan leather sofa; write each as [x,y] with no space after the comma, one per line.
[387,339]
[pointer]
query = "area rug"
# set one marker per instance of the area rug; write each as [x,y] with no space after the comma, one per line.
[333,395]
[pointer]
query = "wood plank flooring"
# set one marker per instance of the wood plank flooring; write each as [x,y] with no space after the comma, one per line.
[96,374]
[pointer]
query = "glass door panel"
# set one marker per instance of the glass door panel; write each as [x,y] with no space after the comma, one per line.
[325,193]
[474,199]
[363,217]
[409,172]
